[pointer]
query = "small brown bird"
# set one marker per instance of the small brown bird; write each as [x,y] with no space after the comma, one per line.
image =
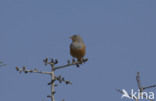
[77,48]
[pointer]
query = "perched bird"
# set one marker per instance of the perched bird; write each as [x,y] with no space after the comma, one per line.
[77,48]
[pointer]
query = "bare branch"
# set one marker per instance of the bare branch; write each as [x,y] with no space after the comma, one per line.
[139,82]
[54,78]
[53,83]
[152,86]
[31,71]
[77,63]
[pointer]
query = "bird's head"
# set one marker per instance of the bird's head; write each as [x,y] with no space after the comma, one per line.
[75,38]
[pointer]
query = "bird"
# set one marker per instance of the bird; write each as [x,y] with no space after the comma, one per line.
[77,48]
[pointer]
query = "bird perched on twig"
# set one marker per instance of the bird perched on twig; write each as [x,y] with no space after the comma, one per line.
[77,48]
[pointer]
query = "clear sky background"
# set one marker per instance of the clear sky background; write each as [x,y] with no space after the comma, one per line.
[120,36]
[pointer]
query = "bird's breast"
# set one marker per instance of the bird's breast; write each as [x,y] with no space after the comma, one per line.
[77,50]
[76,45]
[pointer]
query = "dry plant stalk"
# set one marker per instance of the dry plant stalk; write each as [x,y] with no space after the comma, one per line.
[54,78]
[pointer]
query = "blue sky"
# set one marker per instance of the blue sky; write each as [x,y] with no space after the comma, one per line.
[119,35]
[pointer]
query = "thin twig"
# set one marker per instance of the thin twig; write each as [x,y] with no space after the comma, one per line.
[139,82]
[152,86]
[31,71]
[77,63]
[40,72]
[67,65]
